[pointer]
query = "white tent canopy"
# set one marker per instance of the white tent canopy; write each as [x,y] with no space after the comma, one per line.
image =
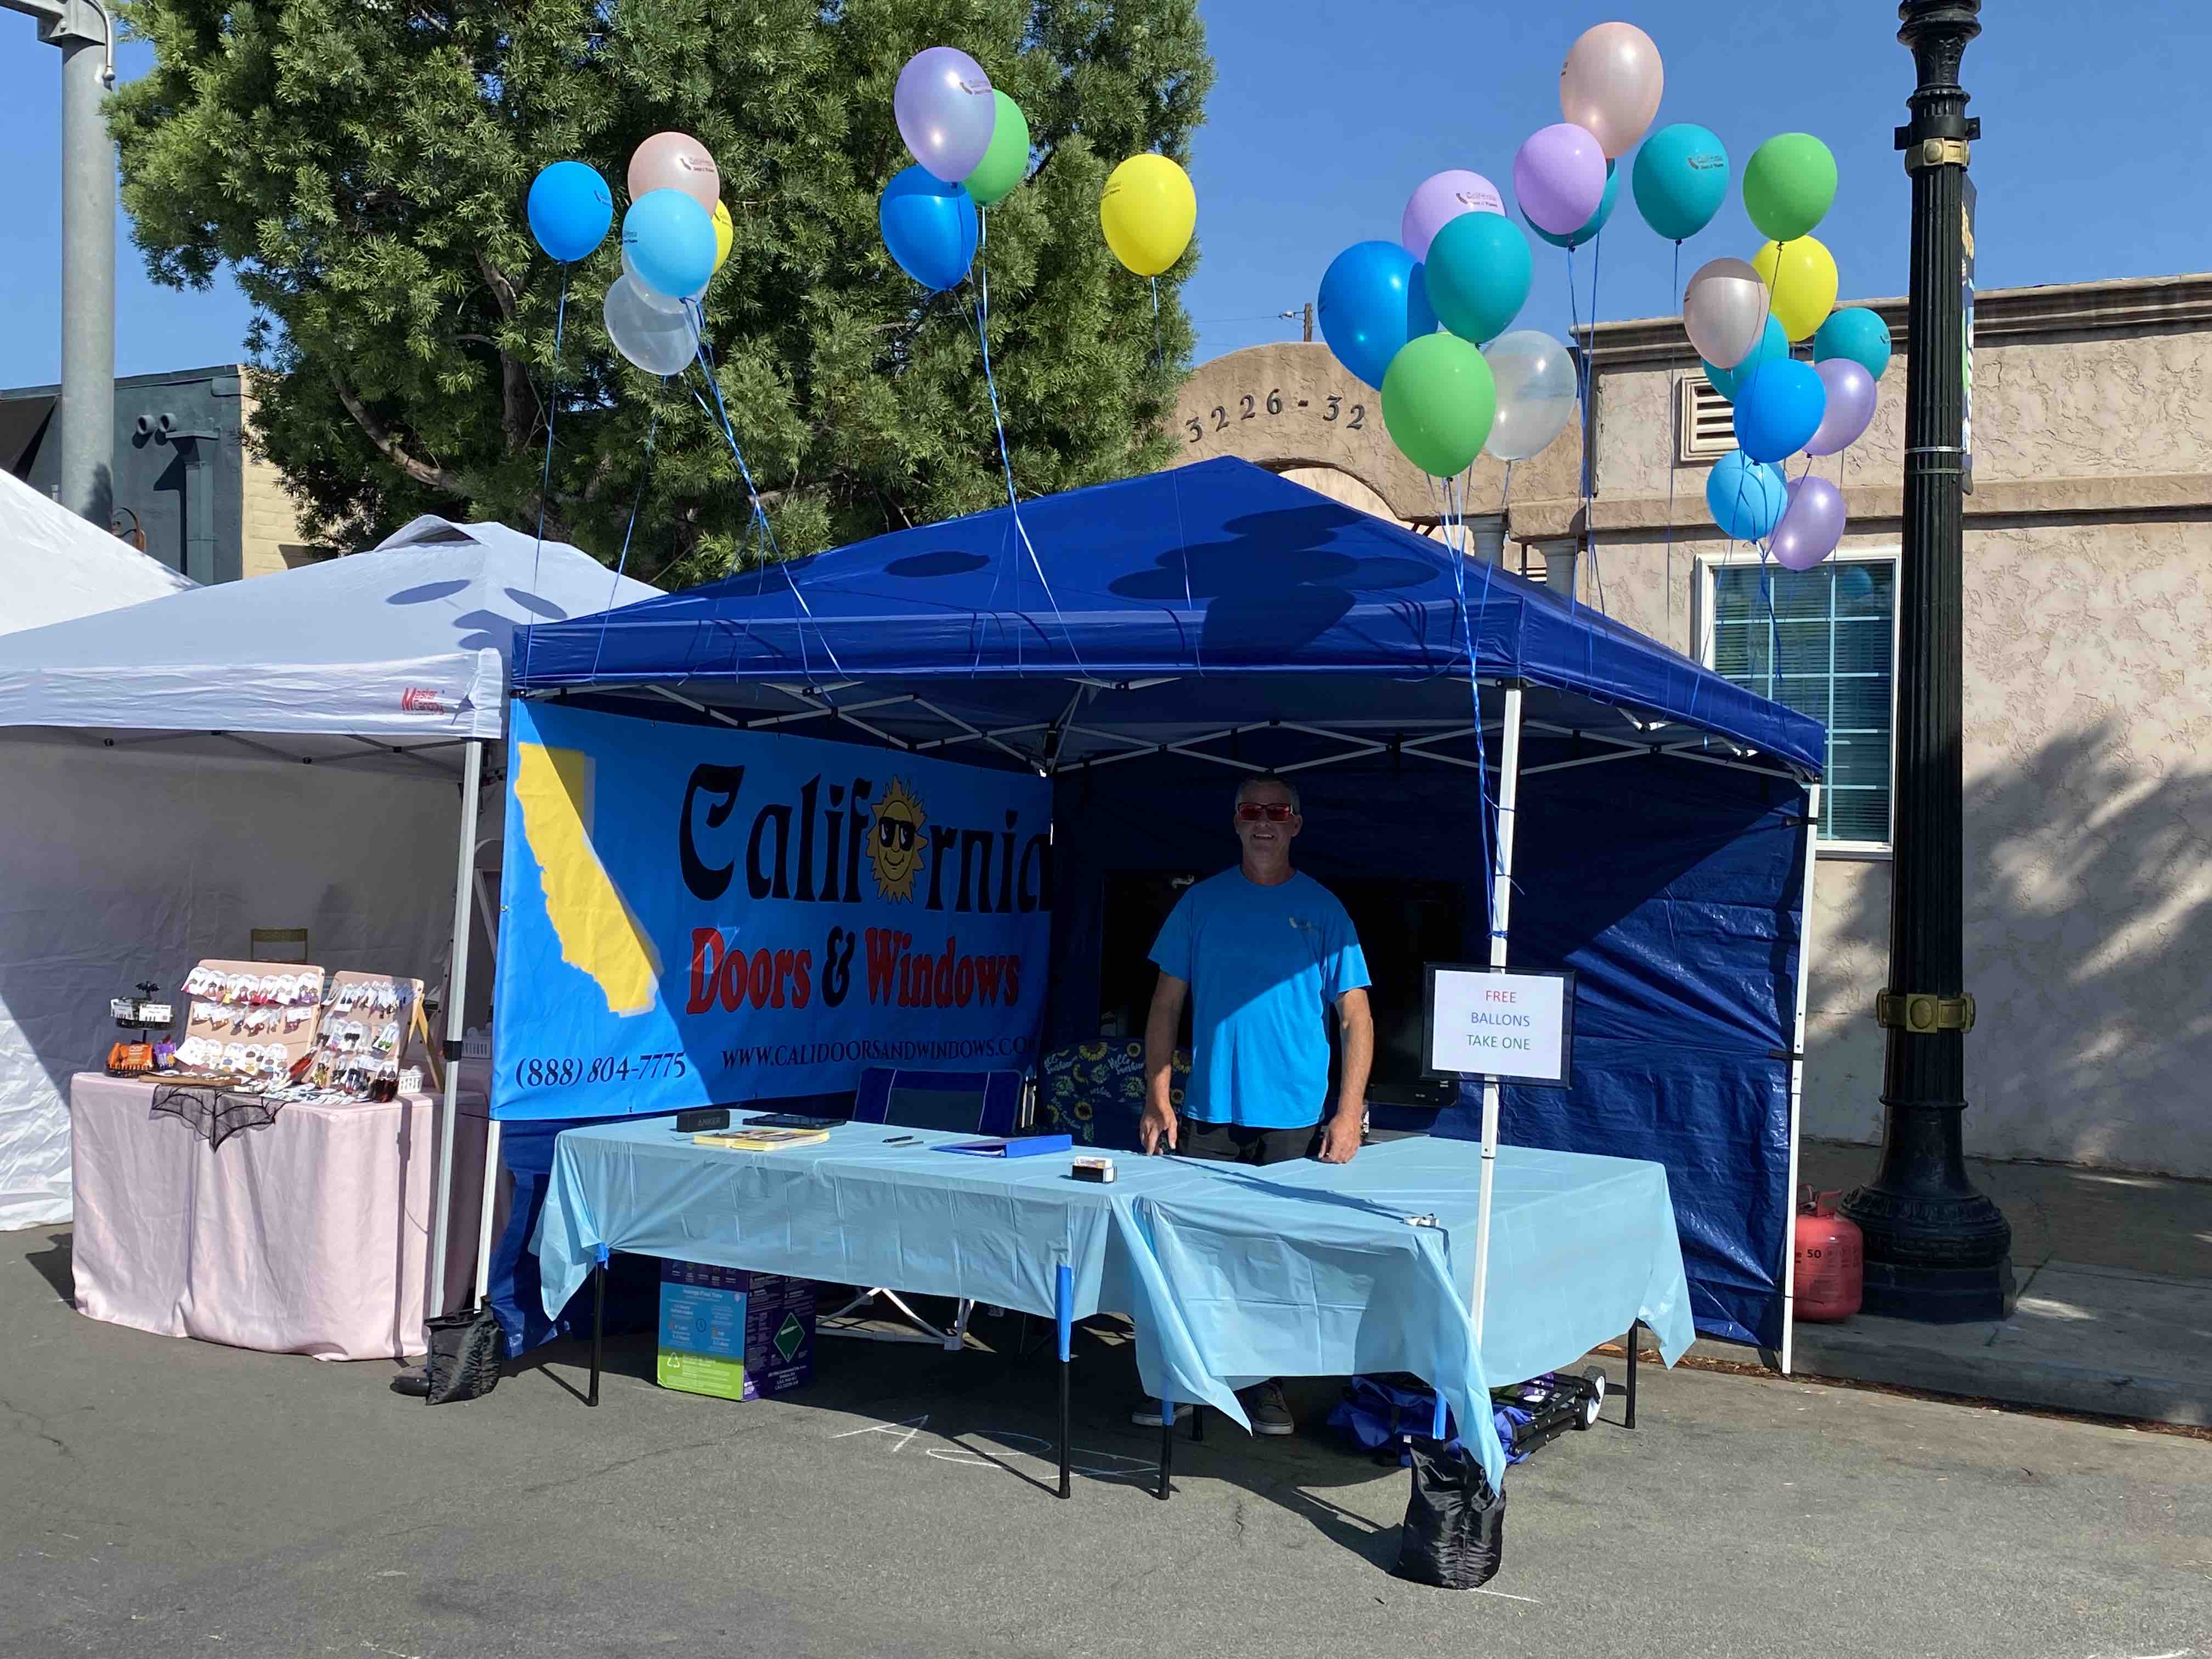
[54,566]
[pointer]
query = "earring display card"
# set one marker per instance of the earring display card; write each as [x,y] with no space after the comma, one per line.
[249,1019]
[367,1033]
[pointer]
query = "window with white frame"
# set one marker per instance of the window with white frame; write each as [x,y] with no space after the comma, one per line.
[1822,641]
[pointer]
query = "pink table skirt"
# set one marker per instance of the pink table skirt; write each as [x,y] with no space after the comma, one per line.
[308,1235]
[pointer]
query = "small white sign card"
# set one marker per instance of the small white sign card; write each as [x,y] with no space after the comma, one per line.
[1499,1022]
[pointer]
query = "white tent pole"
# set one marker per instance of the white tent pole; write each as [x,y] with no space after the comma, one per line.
[1797,1078]
[1501,911]
[490,1198]
[457,997]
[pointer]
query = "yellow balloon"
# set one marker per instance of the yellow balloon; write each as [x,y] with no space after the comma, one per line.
[725,233]
[1801,274]
[1148,213]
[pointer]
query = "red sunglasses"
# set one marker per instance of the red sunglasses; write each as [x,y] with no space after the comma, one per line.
[1274,811]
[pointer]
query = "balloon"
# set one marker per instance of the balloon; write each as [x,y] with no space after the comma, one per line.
[1856,334]
[1007,163]
[1680,181]
[1789,185]
[1534,376]
[1558,178]
[1610,85]
[658,342]
[1746,497]
[946,111]
[1801,275]
[929,226]
[675,161]
[1772,343]
[1477,274]
[1437,402]
[1373,299]
[1778,409]
[1811,524]
[1724,310]
[668,242]
[1590,227]
[1440,198]
[725,235]
[570,207]
[1850,405]
[1148,212]
[651,295]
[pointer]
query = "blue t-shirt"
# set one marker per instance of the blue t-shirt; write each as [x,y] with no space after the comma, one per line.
[1265,966]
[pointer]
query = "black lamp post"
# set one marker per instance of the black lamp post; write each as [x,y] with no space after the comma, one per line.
[1936,1249]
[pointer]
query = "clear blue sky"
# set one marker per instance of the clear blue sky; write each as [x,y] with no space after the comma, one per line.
[1325,114]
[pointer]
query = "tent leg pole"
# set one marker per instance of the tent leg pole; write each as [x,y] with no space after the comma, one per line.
[1797,1083]
[1063,1314]
[1501,911]
[1167,1445]
[457,996]
[486,1204]
[599,1327]
[1634,1343]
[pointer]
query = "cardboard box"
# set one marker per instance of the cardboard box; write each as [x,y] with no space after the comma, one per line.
[733,1334]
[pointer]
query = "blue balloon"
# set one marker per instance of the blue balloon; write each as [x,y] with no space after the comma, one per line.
[1778,409]
[1591,225]
[929,227]
[1772,343]
[1374,297]
[1680,181]
[570,207]
[669,239]
[1747,497]
[1856,334]
[1478,274]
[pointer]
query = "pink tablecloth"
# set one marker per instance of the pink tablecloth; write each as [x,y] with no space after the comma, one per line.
[308,1235]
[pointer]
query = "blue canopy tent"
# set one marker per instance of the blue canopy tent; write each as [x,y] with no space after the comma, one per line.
[1616,811]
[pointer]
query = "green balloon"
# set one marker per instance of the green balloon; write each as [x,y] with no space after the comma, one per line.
[1788,185]
[1438,401]
[1007,163]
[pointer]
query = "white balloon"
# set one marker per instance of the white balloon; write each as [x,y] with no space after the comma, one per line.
[1535,380]
[1724,309]
[658,342]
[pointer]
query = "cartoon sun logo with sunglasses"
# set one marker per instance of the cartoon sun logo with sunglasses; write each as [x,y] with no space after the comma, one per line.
[896,846]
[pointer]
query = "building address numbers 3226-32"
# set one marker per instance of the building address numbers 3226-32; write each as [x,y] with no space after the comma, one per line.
[1251,405]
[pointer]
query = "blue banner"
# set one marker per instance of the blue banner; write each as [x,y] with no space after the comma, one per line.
[694,915]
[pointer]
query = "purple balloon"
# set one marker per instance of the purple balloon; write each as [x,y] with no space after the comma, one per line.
[946,111]
[1558,178]
[1811,524]
[1441,198]
[1850,405]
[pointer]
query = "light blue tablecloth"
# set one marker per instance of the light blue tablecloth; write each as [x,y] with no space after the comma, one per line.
[1230,1273]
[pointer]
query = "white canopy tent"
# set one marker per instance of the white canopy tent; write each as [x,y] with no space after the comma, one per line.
[300,749]
[55,566]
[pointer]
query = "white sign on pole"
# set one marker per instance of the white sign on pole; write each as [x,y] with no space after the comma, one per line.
[1489,1022]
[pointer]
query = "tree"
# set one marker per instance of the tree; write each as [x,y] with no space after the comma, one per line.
[360,166]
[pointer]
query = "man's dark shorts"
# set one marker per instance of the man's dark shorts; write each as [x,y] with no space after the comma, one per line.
[1230,1142]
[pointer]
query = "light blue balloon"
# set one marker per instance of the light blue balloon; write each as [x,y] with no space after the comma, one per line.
[1374,297]
[929,226]
[1591,225]
[1680,181]
[1478,275]
[1747,497]
[570,207]
[1778,410]
[669,239]
[1856,334]
[1772,343]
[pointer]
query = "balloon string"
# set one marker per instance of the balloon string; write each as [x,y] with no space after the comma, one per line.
[1013,504]
[1589,425]
[545,479]
[622,562]
[1159,347]
[1674,466]
[1456,524]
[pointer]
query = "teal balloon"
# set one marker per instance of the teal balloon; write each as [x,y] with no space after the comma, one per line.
[1477,274]
[1856,334]
[1778,410]
[1591,225]
[1772,343]
[1747,497]
[1680,181]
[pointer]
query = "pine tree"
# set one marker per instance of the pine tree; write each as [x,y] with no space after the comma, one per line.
[360,166]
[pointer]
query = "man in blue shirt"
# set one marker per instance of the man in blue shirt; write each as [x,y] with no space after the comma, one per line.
[1263,954]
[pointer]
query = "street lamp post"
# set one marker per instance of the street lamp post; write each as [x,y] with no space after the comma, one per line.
[1936,1250]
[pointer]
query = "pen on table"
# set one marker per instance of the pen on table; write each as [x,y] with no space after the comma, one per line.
[901,1140]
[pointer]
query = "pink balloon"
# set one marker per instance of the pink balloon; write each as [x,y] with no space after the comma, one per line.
[1811,524]
[1441,198]
[1611,84]
[1850,405]
[675,161]
[1558,178]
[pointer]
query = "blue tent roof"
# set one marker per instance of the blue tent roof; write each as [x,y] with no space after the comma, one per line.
[1220,570]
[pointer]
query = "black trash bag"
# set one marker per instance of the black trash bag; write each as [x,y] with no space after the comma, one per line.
[1455,1531]
[466,1351]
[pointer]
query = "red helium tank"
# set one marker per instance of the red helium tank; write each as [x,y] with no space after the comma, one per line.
[1830,1261]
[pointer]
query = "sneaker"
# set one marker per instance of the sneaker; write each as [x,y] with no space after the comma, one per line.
[1269,1412]
[1148,1416]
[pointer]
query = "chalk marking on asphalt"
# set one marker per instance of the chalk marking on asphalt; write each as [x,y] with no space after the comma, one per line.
[906,1429]
[1506,1595]
[912,1425]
